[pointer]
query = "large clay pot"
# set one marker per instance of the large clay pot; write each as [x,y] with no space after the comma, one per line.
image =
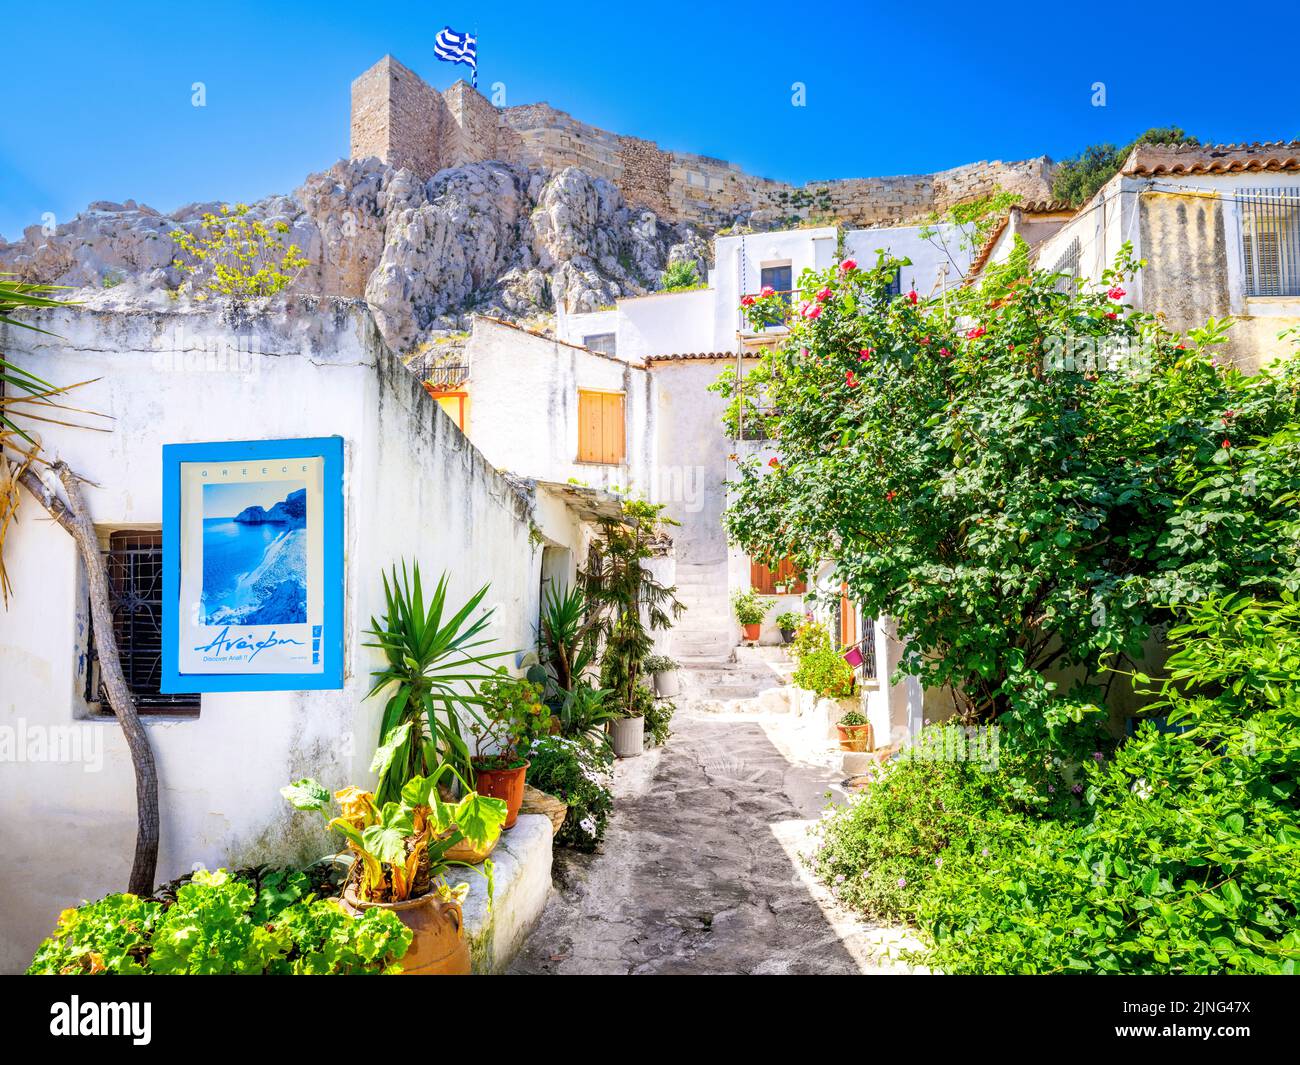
[666,684]
[507,784]
[752,632]
[855,737]
[438,945]
[627,736]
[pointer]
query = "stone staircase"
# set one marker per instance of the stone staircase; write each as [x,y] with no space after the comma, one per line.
[706,632]
[754,679]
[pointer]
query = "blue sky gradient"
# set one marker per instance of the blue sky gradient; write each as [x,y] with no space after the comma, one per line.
[97,97]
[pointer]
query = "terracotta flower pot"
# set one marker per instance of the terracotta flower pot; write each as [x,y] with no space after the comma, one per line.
[438,945]
[855,737]
[752,632]
[507,784]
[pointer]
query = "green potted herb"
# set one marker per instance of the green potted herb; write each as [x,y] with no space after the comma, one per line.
[514,715]
[788,622]
[400,859]
[854,731]
[664,670]
[750,612]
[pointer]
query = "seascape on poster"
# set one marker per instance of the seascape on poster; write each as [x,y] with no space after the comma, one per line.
[254,553]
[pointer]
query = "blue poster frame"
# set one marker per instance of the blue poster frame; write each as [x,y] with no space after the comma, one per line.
[329,448]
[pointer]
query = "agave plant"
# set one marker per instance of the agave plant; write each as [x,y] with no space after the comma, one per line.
[402,846]
[434,662]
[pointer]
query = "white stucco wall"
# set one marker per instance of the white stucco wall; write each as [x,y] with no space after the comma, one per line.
[524,390]
[929,255]
[414,488]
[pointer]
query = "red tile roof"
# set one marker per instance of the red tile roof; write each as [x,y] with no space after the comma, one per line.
[1155,160]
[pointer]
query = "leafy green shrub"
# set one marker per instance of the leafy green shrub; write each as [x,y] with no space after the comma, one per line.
[679,276]
[236,256]
[1179,853]
[578,773]
[658,719]
[1077,178]
[222,925]
[824,671]
[790,620]
[808,637]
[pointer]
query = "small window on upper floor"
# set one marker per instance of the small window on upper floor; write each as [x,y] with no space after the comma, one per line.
[601,342]
[133,559]
[602,428]
[777,278]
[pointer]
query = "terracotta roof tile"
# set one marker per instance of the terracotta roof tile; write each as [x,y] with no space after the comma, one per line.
[1155,160]
[689,356]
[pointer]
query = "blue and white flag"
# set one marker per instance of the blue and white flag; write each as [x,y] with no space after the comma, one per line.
[453,47]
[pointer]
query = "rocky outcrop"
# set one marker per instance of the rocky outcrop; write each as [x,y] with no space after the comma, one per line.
[291,511]
[507,240]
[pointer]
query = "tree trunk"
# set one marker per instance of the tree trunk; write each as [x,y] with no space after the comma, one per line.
[74,517]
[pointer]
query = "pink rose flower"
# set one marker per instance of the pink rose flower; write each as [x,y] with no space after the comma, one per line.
[848,265]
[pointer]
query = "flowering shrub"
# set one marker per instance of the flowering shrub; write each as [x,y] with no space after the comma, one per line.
[220,924]
[236,256]
[578,773]
[1020,474]
[1178,853]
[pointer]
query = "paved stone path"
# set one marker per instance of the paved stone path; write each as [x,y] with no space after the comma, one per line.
[699,871]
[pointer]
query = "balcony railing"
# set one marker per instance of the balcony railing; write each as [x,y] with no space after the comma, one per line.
[446,378]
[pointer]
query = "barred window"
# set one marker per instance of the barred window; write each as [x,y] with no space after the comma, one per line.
[605,343]
[133,560]
[1270,241]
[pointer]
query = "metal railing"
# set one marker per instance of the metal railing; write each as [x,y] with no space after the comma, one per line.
[867,648]
[1270,240]
[787,296]
[446,378]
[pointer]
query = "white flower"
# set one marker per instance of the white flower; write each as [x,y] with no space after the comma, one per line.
[588,825]
[1142,789]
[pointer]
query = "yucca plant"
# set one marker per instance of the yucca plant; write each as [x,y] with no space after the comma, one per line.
[569,634]
[434,664]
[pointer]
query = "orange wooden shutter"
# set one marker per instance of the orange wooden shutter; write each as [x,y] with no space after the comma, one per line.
[601,427]
[848,618]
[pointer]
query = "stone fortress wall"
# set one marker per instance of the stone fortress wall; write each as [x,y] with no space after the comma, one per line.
[402,120]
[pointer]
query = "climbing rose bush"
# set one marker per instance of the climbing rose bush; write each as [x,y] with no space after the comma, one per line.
[1020,473]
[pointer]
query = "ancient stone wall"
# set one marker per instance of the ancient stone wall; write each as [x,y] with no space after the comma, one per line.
[402,120]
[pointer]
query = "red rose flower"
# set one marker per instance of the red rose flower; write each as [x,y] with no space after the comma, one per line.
[976,333]
[1116,293]
[774,462]
[847,265]
[890,495]
[814,311]
[851,379]
[944,352]
[747,301]
[1111,314]
[823,294]
[912,297]
[768,290]
[865,354]
[1227,443]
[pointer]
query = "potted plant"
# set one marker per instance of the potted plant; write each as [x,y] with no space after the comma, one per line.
[400,859]
[788,622]
[854,732]
[432,651]
[514,715]
[664,670]
[627,731]
[750,612]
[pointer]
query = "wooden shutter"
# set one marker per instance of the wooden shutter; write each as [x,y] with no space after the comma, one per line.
[763,580]
[601,427]
[848,619]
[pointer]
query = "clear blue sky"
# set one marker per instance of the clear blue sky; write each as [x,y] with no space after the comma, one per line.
[97,96]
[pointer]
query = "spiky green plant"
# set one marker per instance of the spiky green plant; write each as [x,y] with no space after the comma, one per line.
[434,666]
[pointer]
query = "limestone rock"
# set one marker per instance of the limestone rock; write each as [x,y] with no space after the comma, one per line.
[491,237]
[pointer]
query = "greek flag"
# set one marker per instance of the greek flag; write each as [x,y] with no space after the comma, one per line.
[453,47]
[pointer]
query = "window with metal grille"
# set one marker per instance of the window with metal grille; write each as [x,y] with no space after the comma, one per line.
[602,342]
[135,580]
[1068,263]
[1270,241]
[867,648]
